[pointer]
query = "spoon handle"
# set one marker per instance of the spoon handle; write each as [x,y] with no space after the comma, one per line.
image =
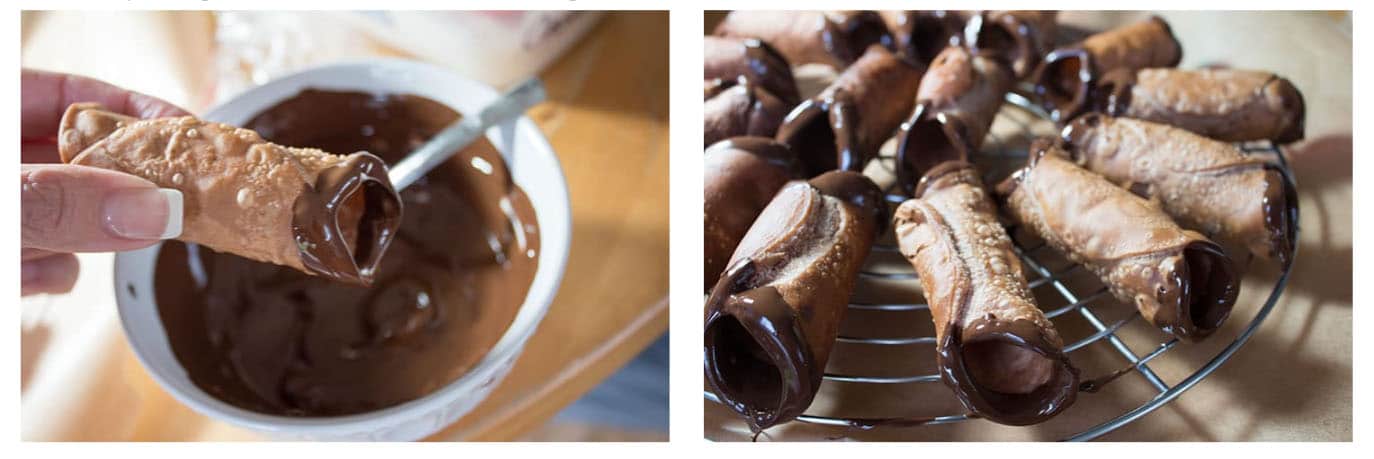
[458,135]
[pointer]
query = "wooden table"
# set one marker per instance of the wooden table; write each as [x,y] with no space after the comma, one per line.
[607,119]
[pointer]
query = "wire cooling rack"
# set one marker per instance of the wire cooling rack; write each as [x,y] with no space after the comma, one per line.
[1061,300]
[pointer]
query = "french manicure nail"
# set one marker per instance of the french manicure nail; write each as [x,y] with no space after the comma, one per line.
[144,214]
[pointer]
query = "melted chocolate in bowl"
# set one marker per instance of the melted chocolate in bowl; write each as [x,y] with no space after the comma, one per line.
[274,340]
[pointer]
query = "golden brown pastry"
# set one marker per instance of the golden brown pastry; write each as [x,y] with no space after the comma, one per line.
[1180,281]
[320,213]
[1204,184]
[996,350]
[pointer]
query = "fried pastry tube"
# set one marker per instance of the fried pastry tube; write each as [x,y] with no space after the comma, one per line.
[921,35]
[744,109]
[958,98]
[996,350]
[742,174]
[844,126]
[320,213]
[1180,281]
[1020,38]
[1224,104]
[727,59]
[1065,80]
[1206,185]
[833,38]
[773,316]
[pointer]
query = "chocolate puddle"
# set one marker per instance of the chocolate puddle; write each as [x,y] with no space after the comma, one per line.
[274,340]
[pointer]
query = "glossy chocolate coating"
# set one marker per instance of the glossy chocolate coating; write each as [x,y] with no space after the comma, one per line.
[741,176]
[833,38]
[1020,38]
[742,109]
[729,58]
[345,223]
[274,340]
[772,318]
[921,34]
[1066,78]
[844,126]
[958,99]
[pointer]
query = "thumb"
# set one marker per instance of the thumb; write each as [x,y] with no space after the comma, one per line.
[69,208]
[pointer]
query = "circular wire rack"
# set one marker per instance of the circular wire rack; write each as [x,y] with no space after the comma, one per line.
[1067,299]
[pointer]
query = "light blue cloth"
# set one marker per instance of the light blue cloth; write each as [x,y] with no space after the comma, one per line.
[634,398]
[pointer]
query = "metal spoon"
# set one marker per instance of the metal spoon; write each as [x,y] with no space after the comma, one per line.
[458,135]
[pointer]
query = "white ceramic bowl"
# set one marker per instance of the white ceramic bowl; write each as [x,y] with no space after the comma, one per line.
[533,166]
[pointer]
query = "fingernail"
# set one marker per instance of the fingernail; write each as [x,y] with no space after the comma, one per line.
[144,214]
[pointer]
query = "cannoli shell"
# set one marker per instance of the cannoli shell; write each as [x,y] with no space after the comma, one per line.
[307,209]
[844,126]
[1223,104]
[1019,38]
[833,38]
[1066,78]
[978,296]
[773,317]
[1206,185]
[1179,280]
[958,99]
[741,176]
[744,109]
[729,58]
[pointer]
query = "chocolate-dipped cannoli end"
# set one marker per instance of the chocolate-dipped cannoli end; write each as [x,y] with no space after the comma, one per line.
[1080,131]
[926,140]
[1280,201]
[822,133]
[854,33]
[742,174]
[1062,82]
[1005,38]
[1202,289]
[757,360]
[930,33]
[857,189]
[1008,372]
[1288,99]
[1039,147]
[745,108]
[1177,50]
[1111,93]
[344,226]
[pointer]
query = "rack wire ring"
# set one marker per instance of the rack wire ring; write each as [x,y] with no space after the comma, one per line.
[1104,331]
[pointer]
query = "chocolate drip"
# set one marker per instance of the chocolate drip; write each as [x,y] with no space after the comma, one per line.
[1280,212]
[275,340]
[345,223]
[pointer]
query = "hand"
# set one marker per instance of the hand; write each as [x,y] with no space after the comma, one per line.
[68,208]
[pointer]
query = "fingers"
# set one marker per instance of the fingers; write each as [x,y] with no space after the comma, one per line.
[69,208]
[44,96]
[55,273]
